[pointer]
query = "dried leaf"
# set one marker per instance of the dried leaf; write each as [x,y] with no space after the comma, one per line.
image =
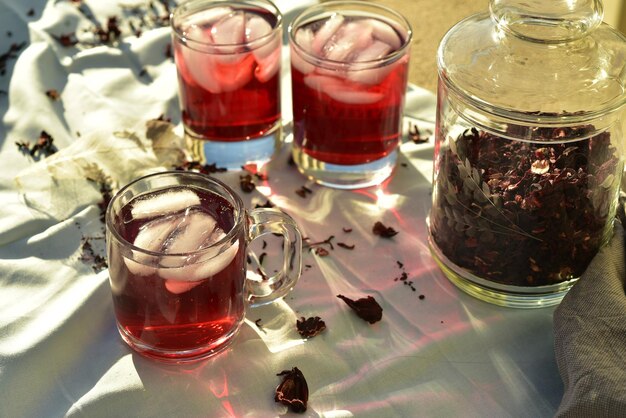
[168,147]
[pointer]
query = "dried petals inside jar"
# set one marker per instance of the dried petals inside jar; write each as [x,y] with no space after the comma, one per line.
[528,148]
[522,213]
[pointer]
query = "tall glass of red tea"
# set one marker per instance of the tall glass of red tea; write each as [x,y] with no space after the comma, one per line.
[349,66]
[176,246]
[227,55]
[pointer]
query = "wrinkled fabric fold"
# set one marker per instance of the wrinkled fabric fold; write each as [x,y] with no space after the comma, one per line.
[590,336]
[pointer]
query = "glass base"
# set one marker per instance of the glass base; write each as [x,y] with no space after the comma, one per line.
[345,176]
[233,155]
[178,356]
[497,293]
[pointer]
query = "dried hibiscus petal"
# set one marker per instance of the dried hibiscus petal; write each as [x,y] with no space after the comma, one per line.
[416,135]
[310,327]
[303,191]
[212,169]
[267,204]
[346,246]
[10,54]
[383,231]
[293,390]
[525,213]
[366,308]
[246,183]
[53,94]
[66,39]
[89,256]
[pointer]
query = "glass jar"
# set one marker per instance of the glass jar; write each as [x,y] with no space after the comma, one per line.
[528,148]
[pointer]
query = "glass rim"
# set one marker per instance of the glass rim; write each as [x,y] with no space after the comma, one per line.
[235,200]
[321,8]
[253,44]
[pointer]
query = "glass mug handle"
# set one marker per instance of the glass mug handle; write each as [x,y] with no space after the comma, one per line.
[269,288]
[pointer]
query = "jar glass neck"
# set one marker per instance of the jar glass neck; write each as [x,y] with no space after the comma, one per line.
[549,21]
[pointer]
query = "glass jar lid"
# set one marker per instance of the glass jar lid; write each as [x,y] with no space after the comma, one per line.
[536,61]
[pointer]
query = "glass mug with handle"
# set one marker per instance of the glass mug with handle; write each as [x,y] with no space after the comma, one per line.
[176,245]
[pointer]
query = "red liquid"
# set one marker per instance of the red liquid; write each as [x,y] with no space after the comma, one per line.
[233,96]
[195,319]
[361,127]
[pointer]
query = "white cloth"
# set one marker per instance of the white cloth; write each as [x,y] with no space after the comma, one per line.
[60,354]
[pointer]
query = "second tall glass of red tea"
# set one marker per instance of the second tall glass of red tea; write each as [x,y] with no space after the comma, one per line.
[228,56]
[349,68]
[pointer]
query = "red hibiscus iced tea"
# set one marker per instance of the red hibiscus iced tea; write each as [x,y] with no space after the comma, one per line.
[186,301]
[349,65]
[228,60]
[176,244]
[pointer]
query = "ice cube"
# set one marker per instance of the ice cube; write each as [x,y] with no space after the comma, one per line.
[217,73]
[340,91]
[256,28]
[370,76]
[376,75]
[233,75]
[191,234]
[197,232]
[200,66]
[348,41]
[304,39]
[212,263]
[208,264]
[139,268]
[151,237]
[228,38]
[375,51]
[355,96]
[177,287]
[229,30]
[324,33]
[180,280]
[321,83]
[385,33]
[268,66]
[164,203]
[196,33]
[206,17]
